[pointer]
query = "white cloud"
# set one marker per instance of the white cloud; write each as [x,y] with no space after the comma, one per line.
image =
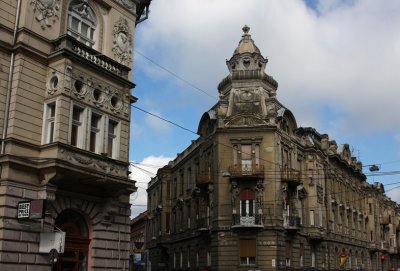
[142,173]
[347,55]
[394,194]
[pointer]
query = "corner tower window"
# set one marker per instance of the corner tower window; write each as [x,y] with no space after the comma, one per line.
[82,22]
[247,207]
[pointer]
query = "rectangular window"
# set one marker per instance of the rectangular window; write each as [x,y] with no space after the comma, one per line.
[301,254]
[76,127]
[50,121]
[208,258]
[112,139]
[312,259]
[167,222]
[95,133]
[188,216]
[248,251]
[168,196]
[288,252]
[312,221]
[188,257]
[246,157]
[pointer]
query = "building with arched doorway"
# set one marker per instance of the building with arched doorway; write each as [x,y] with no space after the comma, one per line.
[65,96]
[257,192]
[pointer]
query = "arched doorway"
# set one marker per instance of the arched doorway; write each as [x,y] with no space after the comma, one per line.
[75,256]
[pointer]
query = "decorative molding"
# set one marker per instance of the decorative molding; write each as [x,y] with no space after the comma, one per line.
[47,11]
[93,163]
[123,43]
[129,4]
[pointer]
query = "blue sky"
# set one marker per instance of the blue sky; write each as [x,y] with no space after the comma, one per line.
[336,62]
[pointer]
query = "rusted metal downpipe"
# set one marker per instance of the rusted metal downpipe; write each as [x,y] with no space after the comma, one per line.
[9,81]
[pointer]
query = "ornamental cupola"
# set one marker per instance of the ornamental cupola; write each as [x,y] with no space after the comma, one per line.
[245,94]
[246,56]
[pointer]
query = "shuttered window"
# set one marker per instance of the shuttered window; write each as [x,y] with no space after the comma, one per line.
[247,248]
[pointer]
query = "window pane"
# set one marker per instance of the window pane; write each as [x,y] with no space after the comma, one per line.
[51,132]
[76,114]
[251,207]
[246,152]
[75,24]
[74,135]
[84,30]
[110,146]
[52,110]
[95,121]
[93,141]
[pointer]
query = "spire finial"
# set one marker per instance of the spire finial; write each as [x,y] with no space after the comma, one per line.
[246,29]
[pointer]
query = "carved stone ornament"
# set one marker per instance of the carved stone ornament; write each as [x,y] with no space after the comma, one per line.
[127,3]
[245,120]
[92,163]
[122,47]
[47,11]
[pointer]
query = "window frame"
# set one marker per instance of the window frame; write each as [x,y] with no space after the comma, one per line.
[247,252]
[80,124]
[89,38]
[113,138]
[98,131]
[49,122]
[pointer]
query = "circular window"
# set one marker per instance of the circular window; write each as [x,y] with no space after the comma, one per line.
[78,85]
[54,82]
[115,101]
[97,94]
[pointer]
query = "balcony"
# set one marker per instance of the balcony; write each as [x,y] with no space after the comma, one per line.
[372,246]
[291,176]
[291,222]
[246,171]
[316,233]
[203,179]
[384,245]
[68,44]
[239,221]
[203,224]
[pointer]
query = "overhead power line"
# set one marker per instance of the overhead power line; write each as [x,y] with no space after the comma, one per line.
[176,75]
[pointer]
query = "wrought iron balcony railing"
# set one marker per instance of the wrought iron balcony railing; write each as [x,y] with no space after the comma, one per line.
[291,222]
[291,175]
[247,171]
[203,178]
[254,221]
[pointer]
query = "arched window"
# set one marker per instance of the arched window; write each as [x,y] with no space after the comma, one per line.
[247,206]
[82,22]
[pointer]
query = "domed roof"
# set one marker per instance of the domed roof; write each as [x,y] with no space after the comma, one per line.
[246,44]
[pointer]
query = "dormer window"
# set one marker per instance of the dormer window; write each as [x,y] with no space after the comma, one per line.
[82,22]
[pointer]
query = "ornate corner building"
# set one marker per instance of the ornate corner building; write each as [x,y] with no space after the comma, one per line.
[257,192]
[65,96]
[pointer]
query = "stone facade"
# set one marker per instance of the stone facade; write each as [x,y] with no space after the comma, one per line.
[65,95]
[257,192]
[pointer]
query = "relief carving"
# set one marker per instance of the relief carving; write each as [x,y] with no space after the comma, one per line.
[123,44]
[46,11]
[93,163]
[129,4]
[245,120]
